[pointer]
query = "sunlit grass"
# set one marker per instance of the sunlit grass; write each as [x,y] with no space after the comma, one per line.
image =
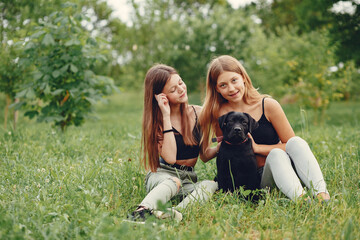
[82,183]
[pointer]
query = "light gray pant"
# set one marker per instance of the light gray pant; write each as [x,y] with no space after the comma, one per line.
[278,169]
[161,187]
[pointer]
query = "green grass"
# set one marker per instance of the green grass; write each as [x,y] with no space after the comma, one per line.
[81,184]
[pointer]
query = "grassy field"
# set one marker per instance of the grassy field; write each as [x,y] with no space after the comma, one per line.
[81,184]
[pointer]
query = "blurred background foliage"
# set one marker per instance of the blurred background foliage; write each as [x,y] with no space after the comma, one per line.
[296,50]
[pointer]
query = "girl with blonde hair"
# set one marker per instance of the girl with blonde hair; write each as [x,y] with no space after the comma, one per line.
[282,157]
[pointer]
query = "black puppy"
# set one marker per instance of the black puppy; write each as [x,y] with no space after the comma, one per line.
[236,162]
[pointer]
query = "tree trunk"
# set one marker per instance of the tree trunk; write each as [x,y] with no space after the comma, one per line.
[16,114]
[8,101]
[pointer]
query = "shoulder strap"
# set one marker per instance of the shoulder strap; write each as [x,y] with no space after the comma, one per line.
[263,105]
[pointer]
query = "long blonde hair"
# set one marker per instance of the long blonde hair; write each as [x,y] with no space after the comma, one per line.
[152,123]
[214,100]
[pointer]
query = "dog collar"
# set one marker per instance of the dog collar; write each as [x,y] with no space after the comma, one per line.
[237,143]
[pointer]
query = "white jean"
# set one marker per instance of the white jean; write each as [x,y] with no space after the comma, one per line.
[161,187]
[278,169]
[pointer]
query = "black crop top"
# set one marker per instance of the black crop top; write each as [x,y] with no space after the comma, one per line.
[186,151]
[265,132]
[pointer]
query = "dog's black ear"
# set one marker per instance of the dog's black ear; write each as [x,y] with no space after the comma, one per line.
[252,124]
[222,120]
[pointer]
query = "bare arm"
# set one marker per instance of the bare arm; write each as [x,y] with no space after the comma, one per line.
[167,147]
[278,119]
[211,152]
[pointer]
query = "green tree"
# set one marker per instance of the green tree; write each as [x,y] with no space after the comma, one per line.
[186,40]
[11,75]
[64,55]
[16,19]
[308,15]
[299,67]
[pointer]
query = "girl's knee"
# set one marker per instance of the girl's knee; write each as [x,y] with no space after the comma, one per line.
[276,155]
[295,142]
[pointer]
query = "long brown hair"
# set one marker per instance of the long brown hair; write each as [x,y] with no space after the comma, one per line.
[152,124]
[214,100]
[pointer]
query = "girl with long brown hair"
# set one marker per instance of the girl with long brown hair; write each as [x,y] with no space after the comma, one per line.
[282,157]
[170,145]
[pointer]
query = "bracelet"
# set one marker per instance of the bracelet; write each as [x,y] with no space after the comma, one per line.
[166,131]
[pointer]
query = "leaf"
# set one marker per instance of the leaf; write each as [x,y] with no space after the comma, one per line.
[53,118]
[91,100]
[46,78]
[64,68]
[88,74]
[91,41]
[101,57]
[29,45]
[57,92]
[72,42]
[56,73]
[21,93]
[47,89]
[37,76]
[48,40]
[37,34]
[30,93]
[17,105]
[246,192]
[73,68]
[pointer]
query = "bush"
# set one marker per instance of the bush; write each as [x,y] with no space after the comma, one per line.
[302,67]
[64,88]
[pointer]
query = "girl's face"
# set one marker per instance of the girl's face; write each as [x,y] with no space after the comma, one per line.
[231,86]
[175,90]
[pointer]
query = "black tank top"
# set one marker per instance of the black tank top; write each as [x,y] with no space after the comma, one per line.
[265,133]
[186,151]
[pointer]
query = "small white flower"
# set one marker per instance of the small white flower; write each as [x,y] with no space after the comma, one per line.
[43,170]
[135,187]
[111,162]
[38,170]
[47,180]
[107,204]
[133,178]
[9,133]
[39,185]
[26,188]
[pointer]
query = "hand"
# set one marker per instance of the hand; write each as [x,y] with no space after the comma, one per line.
[163,103]
[254,145]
